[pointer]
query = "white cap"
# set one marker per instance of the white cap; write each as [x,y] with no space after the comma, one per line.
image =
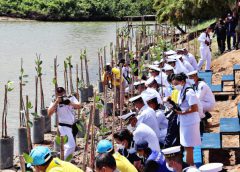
[170,52]
[156,63]
[148,95]
[181,49]
[162,60]
[149,81]
[211,167]
[108,64]
[171,59]
[175,57]
[168,67]
[126,116]
[153,67]
[192,73]
[169,152]
[133,99]
[191,169]
[139,83]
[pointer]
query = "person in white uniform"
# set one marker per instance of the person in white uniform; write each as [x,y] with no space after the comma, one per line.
[141,131]
[188,57]
[205,51]
[189,116]
[177,65]
[203,92]
[161,118]
[186,64]
[140,86]
[146,114]
[64,107]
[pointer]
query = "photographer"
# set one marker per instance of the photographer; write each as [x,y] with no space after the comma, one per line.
[64,107]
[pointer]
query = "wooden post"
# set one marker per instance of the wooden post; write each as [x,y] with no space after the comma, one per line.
[114,108]
[87,138]
[22,163]
[121,95]
[56,86]
[62,147]
[104,56]
[105,105]
[36,94]
[41,93]
[81,65]
[70,75]
[28,127]
[86,68]
[92,157]
[77,90]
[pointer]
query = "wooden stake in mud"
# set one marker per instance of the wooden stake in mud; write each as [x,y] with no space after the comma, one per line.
[77,91]
[81,65]
[70,74]
[104,56]
[93,133]
[114,108]
[66,76]
[62,147]
[87,138]
[36,94]
[28,127]
[105,105]
[86,68]
[22,163]
[121,95]
[56,86]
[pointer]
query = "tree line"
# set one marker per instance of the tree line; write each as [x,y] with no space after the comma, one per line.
[75,9]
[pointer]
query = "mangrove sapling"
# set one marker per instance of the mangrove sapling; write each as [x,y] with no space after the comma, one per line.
[66,76]
[55,83]
[100,83]
[29,106]
[89,87]
[6,142]
[70,66]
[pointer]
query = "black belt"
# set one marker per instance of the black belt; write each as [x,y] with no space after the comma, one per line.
[65,125]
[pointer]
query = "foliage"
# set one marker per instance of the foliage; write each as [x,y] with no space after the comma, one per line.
[185,11]
[202,25]
[38,68]
[58,139]
[28,158]
[75,9]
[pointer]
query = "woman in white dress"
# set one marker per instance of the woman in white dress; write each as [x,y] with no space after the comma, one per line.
[188,116]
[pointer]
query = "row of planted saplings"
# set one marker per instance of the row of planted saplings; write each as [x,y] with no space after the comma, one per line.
[40,124]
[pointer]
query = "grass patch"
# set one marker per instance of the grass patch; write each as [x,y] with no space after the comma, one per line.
[202,25]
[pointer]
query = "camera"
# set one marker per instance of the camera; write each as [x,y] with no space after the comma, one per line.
[64,100]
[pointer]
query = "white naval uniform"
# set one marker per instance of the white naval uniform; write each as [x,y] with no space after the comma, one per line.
[162,123]
[189,123]
[205,96]
[188,66]
[205,52]
[147,116]
[66,116]
[144,132]
[192,60]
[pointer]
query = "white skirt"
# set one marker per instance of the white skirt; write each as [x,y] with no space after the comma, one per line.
[190,135]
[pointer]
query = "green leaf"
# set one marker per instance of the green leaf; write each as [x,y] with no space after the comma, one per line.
[69,158]
[35,114]
[99,106]
[65,139]
[58,140]
[54,81]
[97,98]
[80,127]
[25,76]
[28,159]
[9,89]
[30,123]
[29,105]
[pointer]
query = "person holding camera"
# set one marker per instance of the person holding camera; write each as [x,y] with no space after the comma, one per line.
[64,107]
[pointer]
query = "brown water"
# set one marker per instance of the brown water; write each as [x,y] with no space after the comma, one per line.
[50,39]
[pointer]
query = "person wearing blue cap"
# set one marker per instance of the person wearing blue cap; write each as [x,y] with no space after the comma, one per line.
[123,165]
[42,160]
[148,155]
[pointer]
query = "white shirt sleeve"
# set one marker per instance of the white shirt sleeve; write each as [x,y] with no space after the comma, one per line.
[73,99]
[201,92]
[191,98]
[202,37]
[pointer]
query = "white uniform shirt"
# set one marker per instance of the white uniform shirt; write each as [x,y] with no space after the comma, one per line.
[202,38]
[65,112]
[204,93]
[188,66]
[192,60]
[147,116]
[144,132]
[190,99]
[162,123]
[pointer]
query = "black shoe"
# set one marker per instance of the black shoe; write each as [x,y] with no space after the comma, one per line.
[207,115]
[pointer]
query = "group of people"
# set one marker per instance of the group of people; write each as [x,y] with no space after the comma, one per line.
[228,28]
[168,105]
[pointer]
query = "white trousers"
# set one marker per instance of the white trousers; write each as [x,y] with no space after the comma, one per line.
[69,147]
[205,54]
[207,106]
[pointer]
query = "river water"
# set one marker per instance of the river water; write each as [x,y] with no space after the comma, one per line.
[50,39]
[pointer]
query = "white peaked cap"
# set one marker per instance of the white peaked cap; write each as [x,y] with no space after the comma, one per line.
[171,151]
[149,95]
[149,81]
[170,52]
[139,83]
[128,115]
[168,67]
[211,167]
[133,99]
[153,67]
[156,63]
[192,73]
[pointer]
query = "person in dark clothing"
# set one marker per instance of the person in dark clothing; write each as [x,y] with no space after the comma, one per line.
[230,26]
[220,31]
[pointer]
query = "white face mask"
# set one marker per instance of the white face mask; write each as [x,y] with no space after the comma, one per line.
[140,156]
[119,146]
[178,87]
[131,150]
[130,128]
[169,168]
[191,81]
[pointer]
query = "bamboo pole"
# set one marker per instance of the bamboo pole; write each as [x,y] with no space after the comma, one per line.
[114,108]
[56,86]
[92,157]
[81,65]
[41,93]
[22,163]
[87,138]
[86,68]
[121,95]
[36,94]
[105,105]
[66,77]
[62,147]
[28,127]
[77,90]
[104,56]
[4,114]
[70,75]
